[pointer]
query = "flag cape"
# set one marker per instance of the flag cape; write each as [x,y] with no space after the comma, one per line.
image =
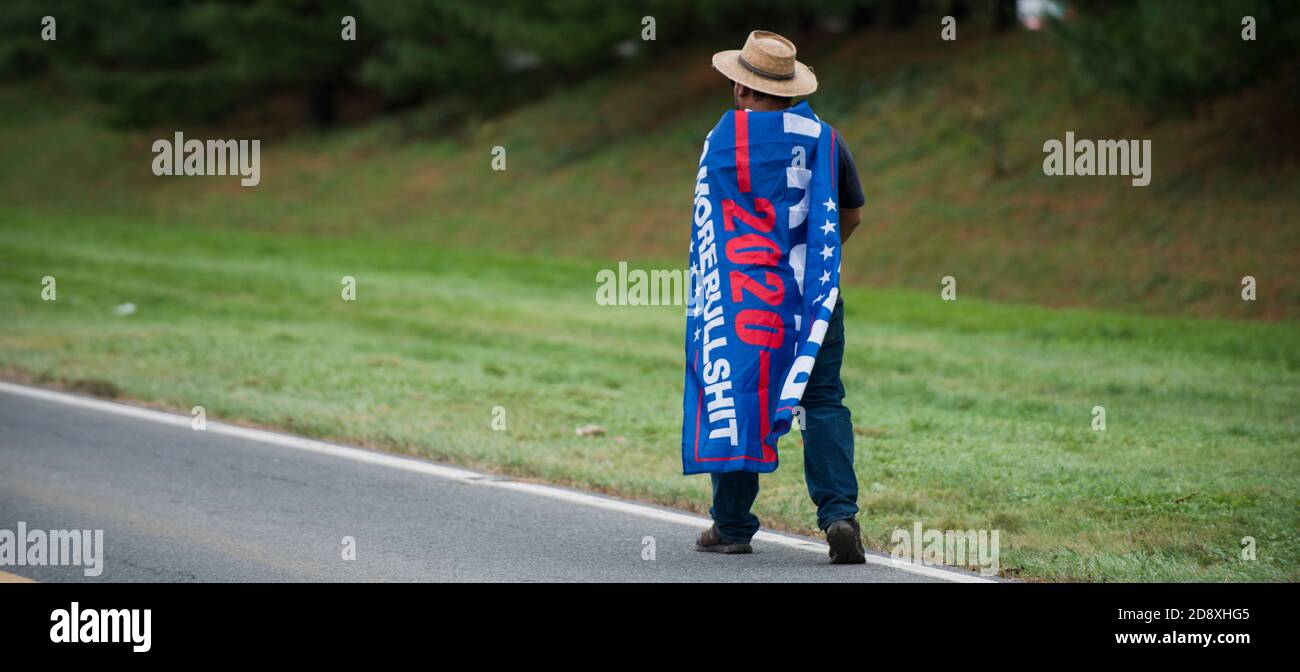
[764,269]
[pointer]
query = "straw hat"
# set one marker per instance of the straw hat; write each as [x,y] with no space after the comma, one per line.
[767,64]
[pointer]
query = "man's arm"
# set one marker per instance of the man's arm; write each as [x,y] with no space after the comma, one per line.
[849,220]
[851,197]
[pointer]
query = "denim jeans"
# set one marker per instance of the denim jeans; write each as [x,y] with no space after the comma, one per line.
[827,451]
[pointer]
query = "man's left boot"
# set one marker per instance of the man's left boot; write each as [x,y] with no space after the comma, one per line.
[845,540]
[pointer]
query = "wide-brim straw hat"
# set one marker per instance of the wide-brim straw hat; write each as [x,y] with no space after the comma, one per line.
[767,63]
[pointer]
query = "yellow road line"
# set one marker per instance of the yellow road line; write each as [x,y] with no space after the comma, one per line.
[6,577]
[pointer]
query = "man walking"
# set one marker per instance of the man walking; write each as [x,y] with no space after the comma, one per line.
[766,77]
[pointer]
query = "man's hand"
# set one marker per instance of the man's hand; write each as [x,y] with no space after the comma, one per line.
[849,220]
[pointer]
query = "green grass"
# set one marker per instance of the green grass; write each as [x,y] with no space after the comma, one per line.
[600,171]
[969,415]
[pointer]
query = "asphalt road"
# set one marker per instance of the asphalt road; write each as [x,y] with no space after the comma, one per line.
[178,505]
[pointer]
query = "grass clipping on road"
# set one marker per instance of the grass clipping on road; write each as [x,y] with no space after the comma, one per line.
[968,415]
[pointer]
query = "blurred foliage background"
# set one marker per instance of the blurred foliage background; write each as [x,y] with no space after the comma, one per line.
[162,60]
[948,134]
[1170,55]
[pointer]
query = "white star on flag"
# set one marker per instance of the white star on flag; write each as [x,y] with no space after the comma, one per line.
[826,277]
[691,247]
[827,252]
[697,334]
[819,298]
[828,227]
[830,204]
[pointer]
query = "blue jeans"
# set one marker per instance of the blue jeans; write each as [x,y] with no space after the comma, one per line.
[827,451]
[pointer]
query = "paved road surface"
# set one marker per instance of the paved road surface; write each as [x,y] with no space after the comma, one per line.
[231,504]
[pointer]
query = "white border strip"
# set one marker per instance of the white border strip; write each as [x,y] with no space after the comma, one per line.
[457,474]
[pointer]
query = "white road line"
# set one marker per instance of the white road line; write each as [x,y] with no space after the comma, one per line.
[456,474]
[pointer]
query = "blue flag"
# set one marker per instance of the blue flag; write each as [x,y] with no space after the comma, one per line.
[765,261]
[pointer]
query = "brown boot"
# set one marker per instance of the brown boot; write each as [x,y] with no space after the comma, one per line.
[845,540]
[712,541]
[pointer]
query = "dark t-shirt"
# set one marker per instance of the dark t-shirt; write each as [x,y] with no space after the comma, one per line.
[851,195]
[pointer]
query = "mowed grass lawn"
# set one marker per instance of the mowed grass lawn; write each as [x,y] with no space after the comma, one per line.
[969,415]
